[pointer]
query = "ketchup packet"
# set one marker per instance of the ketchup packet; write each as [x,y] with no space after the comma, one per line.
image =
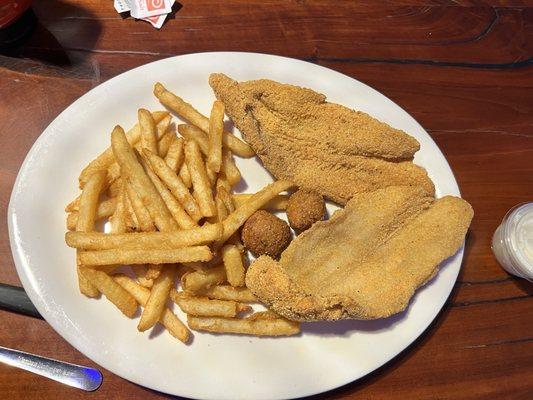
[153,11]
[149,8]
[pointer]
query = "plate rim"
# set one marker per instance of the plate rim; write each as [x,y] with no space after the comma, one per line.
[39,300]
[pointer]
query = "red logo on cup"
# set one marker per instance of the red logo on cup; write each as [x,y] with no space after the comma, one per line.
[152,5]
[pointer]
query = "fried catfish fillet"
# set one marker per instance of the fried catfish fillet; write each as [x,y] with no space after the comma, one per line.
[320,146]
[365,262]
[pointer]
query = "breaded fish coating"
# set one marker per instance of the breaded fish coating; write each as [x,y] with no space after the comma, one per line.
[366,261]
[325,147]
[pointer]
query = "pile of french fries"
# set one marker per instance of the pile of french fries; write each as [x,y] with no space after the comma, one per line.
[174,220]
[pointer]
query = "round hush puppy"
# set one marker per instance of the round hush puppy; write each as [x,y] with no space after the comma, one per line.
[304,208]
[264,233]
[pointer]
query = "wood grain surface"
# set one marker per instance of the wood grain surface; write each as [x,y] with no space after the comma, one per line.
[463,69]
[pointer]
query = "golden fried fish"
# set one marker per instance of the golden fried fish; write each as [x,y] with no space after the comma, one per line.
[320,146]
[365,262]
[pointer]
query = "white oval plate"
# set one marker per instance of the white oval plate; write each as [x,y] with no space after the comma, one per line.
[325,356]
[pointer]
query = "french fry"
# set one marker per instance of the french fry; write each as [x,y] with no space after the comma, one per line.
[235,240]
[148,131]
[89,202]
[169,320]
[236,145]
[185,175]
[118,219]
[277,203]
[222,211]
[112,290]
[226,292]
[107,158]
[195,197]
[264,315]
[204,307]
[141,212]
[144,240]
[113,174]
[145,256]
[140,271]
[223,194]
[228,167]
[163,138]
[216,127]
[211,176]
[158,296]
[134,174]
[183,219]
[188,112]
[196,266]
[113,170]
[118,225]
[131,218]
[164,144]
[181,269]
[200,181]
[86,217]
[246,326]
[104,210]
[216,261]
[196,281]
[242,213]
[85,285]
[74,205]
[72,220]
[153,271]
[162,127]
[223,182]
[193,133]
[175,184]
[114,187]
[233,264]
[175,155]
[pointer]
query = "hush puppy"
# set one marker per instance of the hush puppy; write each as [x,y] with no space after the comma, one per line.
[264,233]
[304,208]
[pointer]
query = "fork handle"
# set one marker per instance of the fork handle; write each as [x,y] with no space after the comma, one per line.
[77,376]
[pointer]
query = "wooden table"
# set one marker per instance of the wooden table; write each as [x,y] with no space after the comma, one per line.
[463,70]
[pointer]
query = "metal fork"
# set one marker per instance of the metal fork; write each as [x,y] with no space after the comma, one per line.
[15,299]
[80,377]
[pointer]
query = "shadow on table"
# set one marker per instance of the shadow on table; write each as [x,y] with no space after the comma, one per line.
[172,15]
[524,285]
[33,47]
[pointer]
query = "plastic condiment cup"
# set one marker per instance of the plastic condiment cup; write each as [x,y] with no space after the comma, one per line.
[512,243]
